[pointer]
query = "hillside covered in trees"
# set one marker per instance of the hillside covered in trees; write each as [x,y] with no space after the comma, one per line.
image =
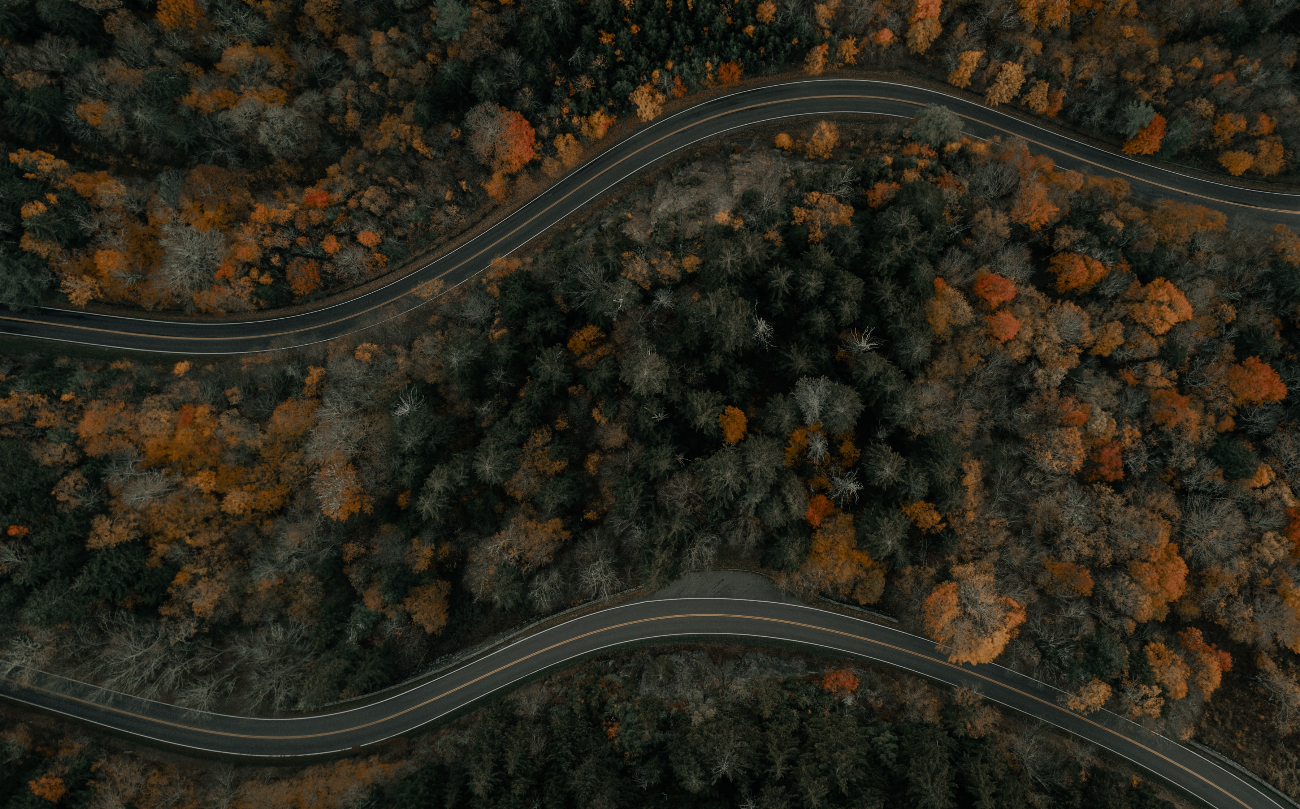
[683,728]
[1035,420]
[223,155]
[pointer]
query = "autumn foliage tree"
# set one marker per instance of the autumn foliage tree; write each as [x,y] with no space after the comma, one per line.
[733,422]
[834,563]
[994,289]
[501,139]
[1160,306]
[1147,140]
[1253,381]
[970,617]
[840,682]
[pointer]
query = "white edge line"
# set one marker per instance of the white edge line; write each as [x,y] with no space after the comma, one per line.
[609,610]
[597,650]
[638,134]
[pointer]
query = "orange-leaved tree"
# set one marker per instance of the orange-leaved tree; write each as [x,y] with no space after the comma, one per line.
[1010,76]
[1169,408]
[822,142]
[1075,272]
[1176,222]
[427,605]
[1108,462]
[729,72]
[734,423]
[48,787]
[924,516]
[501,139]
[967,61]
[1162,577]
[818,507]
[1168,668]
[835,564]
[178,14]
[1032,207]
[970,617]
[1160,306]
[1209,662]
[1236,161]
[1148,138]
[823,213]
[649,102]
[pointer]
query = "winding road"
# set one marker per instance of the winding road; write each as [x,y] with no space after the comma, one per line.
[642,149]
[736,614]
[732,607]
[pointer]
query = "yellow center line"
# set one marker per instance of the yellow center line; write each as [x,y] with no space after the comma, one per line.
[621,162]
[802,625]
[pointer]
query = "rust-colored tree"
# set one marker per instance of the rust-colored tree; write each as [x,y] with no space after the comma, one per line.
[947,309]
[994,289]
[840,682]
[729,73]
[1236,161]
[427,606]
[1010,76]
[1255,382]
[1067,579]
[303,275]
[1169,408]
[822,142]
[1162,577]
[1090,698]
[1003,326]
[1107,462]
[967,61]
[649,102]
[820,213]
[48,787]
[501,139]
[178,14]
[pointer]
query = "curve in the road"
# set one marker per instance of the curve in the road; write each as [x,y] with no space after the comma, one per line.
[737,620]
[635,153]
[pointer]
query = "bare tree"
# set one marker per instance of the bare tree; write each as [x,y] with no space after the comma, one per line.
[644,371]
[190,257]
[845,488]
[271,660]
[701,553]
[599,580]
[546,590]
[859,342]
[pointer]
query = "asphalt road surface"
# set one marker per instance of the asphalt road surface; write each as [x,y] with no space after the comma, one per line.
[728,609]
[640,150]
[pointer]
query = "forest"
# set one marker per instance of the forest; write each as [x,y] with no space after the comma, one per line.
[1031,418]
[685,728]
[226,155]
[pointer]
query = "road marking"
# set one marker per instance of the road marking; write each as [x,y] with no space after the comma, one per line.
[621,625]
[586,184]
